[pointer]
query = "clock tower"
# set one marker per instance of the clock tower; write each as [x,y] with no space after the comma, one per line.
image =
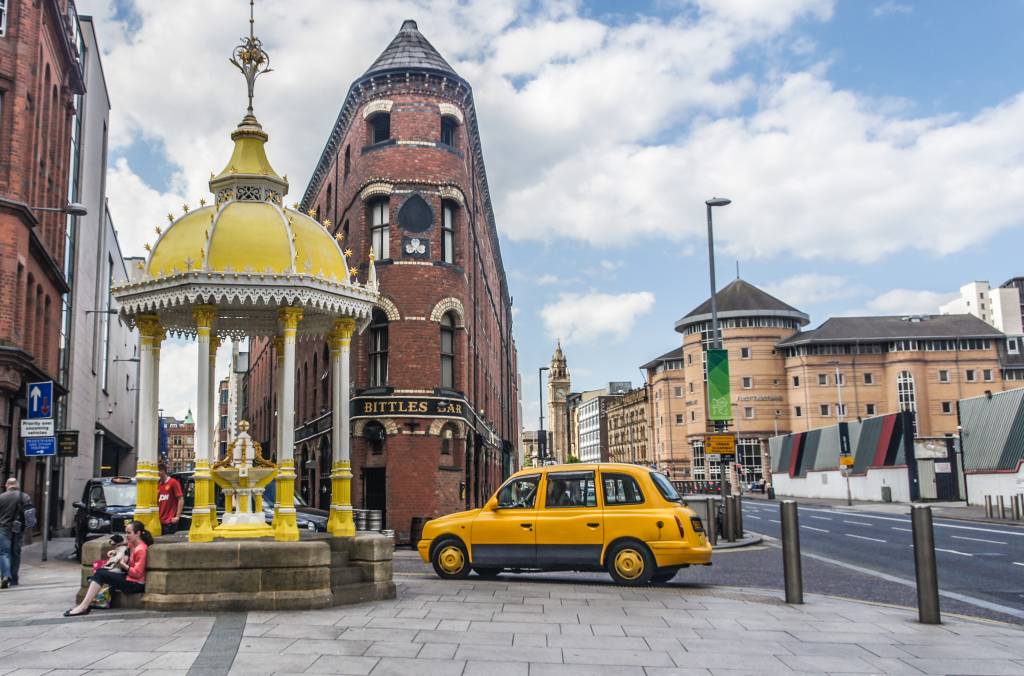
[558,388]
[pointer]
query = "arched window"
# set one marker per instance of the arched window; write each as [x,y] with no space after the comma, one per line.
[907,396]
[448,127]
[447,232]
[447,439]
[348,163]
[375,434]
[380,127]
[378,349]
[448,350]
[379,230]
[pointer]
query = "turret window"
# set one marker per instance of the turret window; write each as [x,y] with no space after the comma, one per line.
[378,349]
[379,229]
[448,232]
[448,126]
[448,350]
[380,127]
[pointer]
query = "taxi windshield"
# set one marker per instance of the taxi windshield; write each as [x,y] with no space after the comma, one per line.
[119,495]
[665,487]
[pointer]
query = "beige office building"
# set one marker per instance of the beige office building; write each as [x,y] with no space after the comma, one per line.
[629,427]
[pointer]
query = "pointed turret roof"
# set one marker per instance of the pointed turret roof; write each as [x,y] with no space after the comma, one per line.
[409,50]
[558,352]
[742,299]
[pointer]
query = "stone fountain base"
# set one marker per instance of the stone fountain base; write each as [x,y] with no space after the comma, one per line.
[240,575]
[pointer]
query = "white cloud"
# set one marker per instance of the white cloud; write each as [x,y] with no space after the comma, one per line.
[811,288]
[890,7]
[909,301]
[611,266]
[583,318]
[547,280]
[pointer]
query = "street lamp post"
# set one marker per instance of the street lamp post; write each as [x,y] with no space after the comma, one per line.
[716,338]
[542,442]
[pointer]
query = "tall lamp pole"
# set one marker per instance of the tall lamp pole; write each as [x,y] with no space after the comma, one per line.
[716,338]
[542,442]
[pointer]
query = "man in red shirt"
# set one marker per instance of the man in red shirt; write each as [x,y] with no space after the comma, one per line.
[170,500]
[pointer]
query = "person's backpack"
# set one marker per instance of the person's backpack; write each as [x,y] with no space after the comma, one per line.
[31,517]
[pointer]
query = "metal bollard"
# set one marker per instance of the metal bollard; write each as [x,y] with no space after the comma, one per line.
[924,565]
[1002,507]
[739,516]
[988,506]
[730,518]
[712,525]
[791,552]
[1015,506]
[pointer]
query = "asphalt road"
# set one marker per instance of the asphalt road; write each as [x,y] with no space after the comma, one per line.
[843,554]
[977,560]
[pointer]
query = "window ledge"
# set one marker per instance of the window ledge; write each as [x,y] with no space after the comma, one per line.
[387,143]
[449,468]
[457,268]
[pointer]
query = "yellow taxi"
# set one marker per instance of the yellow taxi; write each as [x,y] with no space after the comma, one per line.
[625,519]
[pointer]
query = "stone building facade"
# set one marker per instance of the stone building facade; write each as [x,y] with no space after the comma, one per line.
[435,402]
[40,78]
[559,384]
[181,436]
[784,379]
[629,427]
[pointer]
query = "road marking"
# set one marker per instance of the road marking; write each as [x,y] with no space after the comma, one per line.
[823,518]
[964,598]
[751,516]
[820,530]
[951,551]
[963,537]
[906,530]
[1018,533]
[859,523]
[774,520]
[861,537]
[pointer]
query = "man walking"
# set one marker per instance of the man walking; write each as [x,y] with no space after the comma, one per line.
[170,500]
[13,505]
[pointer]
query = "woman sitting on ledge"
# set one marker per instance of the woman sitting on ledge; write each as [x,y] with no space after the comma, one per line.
[130,577]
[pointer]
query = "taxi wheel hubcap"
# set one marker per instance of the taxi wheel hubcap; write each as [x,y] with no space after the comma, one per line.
[451,559]
[629,564]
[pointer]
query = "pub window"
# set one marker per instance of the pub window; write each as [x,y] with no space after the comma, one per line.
[375,434]
[448,350]
[447,439]
[380,127]
[448,126]
[379,229]
[378,349]
[448,232]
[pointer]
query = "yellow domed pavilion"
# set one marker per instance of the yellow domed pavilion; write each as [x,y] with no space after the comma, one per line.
[245,266]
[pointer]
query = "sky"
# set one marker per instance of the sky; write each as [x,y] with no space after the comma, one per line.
[873,150]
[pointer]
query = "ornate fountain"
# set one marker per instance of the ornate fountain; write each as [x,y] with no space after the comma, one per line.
[242,475]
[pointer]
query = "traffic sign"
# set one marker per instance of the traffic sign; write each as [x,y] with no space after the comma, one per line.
[40,399]
[40,446]
[67,443]
[714,457]
[721,444]
[846,460]
[37,428]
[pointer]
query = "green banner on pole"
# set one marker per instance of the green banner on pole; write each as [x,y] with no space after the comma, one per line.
[719,396]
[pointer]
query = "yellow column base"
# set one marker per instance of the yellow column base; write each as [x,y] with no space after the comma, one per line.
[285,528]
[146,509]
[203,521]
[340,522]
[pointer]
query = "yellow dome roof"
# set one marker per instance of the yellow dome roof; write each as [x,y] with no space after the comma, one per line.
[247,229]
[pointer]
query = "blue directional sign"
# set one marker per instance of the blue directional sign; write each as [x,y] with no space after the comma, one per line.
[40,399]
[40,446]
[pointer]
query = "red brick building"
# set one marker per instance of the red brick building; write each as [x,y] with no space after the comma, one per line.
[39,78]
[435,400]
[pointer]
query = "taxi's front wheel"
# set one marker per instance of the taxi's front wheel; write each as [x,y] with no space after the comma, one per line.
[630,563]
[450,560]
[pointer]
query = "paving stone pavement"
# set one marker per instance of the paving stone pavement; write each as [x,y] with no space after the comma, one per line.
[506,626]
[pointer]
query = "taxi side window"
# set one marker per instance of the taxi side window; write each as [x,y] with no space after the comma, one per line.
[621,489]
[571,489]
[96,499]
[519,493]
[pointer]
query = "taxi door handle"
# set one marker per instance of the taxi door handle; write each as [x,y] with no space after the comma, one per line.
[526,525]
[593,525]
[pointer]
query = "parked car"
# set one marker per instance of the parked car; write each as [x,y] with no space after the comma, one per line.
[107,504]
[306,517]
[636,527]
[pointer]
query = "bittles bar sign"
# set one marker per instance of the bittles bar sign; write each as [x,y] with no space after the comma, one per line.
[376,407]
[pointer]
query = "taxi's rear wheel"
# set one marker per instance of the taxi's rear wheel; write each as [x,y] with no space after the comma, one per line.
[450,560]
[488,572]
[663,576]
[630,563]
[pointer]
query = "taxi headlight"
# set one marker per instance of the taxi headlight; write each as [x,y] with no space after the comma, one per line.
[95,523]
[310,525]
